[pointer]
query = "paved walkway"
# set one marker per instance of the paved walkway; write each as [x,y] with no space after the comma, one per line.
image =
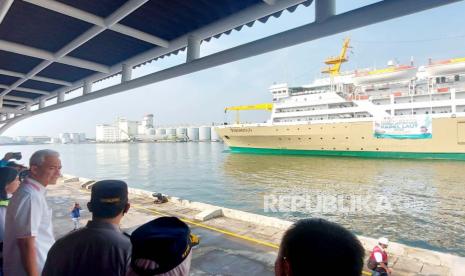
[217,254]
[228,246]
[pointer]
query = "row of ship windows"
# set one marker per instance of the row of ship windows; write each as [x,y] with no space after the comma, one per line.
[309,128]
[427,111]
[347,105]
[423,112]
[325,117]
[409,101]
[308,92]
[437,80]
[448,79]
[314,107]
[352,115]
[455,78]
[310,138]
[402,95]
[293,97]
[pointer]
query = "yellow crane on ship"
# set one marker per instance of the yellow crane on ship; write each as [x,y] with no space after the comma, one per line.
[335,62]
[263,106]
[333,69]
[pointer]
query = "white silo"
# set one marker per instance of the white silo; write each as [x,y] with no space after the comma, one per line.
[204,133]
[181,132]
[160,131]
[193,133]
[214,136]
[65,138]
[75,138]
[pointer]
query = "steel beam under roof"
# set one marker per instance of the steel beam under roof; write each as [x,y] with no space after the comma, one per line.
[110,22]
[24,89]
[328,24]
[42,79]
[100,24]
[12,110]
[60,56]
[98,21]
[4,7]
[18,99]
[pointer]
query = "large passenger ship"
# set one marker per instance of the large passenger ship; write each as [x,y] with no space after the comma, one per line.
[401,111]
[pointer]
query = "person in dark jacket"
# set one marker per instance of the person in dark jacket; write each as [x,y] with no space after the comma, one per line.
[99,248]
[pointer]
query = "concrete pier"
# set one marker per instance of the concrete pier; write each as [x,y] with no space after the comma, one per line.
[232,242]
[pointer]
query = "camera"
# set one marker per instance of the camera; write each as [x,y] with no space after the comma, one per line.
[17,155]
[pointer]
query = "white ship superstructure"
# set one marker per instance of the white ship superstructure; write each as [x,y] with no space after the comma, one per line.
[400,111]
[341,100]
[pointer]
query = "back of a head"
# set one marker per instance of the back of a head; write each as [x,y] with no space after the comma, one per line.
[319,247]
[108,198]
[161,247]
[7,175]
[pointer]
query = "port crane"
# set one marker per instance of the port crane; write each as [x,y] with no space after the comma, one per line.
[333,69]
[263,106]
[335,62]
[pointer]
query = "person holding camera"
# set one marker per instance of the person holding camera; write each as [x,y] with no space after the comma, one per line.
[8,156]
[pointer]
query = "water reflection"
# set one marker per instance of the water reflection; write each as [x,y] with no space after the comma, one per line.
[427,197]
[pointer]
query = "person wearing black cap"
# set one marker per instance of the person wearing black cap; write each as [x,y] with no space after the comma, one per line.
[162,247]
[100,248]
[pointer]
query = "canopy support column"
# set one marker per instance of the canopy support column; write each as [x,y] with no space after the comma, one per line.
[324,9]
[193,48]
[87,88]
[126,73]
[61,97]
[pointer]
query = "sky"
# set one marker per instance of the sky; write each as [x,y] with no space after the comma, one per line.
[200,98]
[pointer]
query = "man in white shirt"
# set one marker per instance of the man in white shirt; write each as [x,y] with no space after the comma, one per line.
[28,225]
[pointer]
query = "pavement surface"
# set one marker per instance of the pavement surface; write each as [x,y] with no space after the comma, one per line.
[217,253]
[227,246]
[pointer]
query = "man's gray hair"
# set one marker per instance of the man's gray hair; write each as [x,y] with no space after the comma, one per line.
[39,156]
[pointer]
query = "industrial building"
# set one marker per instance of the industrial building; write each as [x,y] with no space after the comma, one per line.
[68,138]
[32,139]
[125,130]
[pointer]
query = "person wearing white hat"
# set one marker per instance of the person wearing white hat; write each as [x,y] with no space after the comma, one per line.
[378,261]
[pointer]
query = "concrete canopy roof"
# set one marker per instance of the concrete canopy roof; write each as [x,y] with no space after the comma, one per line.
[50,48]
[47,45]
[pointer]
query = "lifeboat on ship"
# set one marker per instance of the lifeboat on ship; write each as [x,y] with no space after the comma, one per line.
[392,73]
[446,67]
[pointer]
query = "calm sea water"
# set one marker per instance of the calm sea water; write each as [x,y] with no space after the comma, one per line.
[423,202]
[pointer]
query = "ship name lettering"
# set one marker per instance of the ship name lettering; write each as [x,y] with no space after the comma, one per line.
[241,130]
